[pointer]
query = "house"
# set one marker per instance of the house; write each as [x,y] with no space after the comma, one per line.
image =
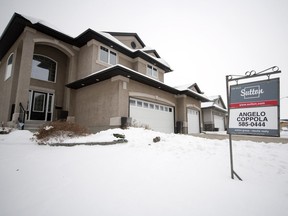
[98,79]
[214,114]
[284,124]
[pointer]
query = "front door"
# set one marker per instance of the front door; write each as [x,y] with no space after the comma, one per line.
[41,106]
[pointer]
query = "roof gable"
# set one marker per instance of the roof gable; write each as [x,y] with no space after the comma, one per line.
[217,99]
[215,102]
[193,87]
[131,40]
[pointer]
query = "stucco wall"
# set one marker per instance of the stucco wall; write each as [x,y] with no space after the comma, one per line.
[85,61]
[95,104]
[8,88]
[5,89]
[207,116]
[142,91]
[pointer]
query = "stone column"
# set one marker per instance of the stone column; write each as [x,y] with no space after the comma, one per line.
[22,92]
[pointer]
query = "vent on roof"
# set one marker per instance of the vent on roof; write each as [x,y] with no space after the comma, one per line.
[133,44]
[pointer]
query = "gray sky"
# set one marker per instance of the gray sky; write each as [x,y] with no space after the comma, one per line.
[202,40]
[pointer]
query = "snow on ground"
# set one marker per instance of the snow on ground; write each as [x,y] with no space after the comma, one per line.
[180,175]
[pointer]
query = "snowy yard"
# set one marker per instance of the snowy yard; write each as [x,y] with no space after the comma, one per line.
[179,176]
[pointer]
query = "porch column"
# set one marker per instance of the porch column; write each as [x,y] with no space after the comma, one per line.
[120,117]
[68,93]
[22,92]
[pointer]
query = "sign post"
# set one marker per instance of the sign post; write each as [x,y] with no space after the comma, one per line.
[253,108]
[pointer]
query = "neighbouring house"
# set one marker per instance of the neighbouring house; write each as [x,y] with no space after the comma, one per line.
[214,114]
[98,79]
[284,124]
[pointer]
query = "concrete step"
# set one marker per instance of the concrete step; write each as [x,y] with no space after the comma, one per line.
[33,126]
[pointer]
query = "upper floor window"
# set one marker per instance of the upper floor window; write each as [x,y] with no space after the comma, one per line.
[152,71]
[108,56]
[9,66]
[43,68]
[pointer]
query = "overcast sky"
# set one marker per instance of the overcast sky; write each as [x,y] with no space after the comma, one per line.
[202,40]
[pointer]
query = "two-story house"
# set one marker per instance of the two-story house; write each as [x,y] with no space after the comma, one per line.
[98,79]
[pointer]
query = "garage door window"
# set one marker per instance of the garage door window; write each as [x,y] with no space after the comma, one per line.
[132,102]
[150,105]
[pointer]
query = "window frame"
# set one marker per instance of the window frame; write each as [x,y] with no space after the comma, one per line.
[43,104]
[109,53]
[56,69]
[154,71]
[9,67]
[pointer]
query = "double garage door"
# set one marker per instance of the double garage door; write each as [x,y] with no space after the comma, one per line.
[155,116]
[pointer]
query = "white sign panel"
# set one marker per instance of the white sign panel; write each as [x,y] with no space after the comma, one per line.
[257,120]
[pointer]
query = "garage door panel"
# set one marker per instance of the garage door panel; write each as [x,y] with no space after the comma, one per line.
[156,116]
[193,121]
[219,122]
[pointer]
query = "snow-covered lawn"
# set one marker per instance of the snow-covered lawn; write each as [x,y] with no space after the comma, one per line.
[178,176]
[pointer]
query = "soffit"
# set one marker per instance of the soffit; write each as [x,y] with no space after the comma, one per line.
[133,75]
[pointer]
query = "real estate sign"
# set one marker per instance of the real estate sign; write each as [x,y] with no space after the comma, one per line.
[254,108]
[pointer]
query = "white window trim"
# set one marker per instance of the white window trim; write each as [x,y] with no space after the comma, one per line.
[109,51]
[8,74]
[56,70]
[153,69]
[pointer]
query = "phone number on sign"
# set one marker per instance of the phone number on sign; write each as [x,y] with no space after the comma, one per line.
[252,124]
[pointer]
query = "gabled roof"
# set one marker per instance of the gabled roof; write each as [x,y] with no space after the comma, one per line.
[18,23]
[193,87]
[217,97]
[115,70]
[209,105]
[128,34]
[149,50]
[212,103]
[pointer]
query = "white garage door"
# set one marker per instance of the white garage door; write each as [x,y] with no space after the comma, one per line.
[193,121]
[157,117]
[219,122]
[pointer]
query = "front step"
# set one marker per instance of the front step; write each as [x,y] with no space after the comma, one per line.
[33,125]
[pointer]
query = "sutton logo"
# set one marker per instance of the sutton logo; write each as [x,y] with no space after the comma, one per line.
[252,92]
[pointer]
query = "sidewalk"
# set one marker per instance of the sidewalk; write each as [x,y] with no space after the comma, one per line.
[222,136]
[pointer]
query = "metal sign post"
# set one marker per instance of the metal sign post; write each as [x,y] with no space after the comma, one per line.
[253,108]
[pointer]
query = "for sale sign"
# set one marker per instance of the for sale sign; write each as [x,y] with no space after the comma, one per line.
[254,108]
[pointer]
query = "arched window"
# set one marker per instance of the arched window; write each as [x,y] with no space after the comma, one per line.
[43,68]
[9,66]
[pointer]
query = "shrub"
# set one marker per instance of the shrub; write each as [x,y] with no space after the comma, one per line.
[59,130]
